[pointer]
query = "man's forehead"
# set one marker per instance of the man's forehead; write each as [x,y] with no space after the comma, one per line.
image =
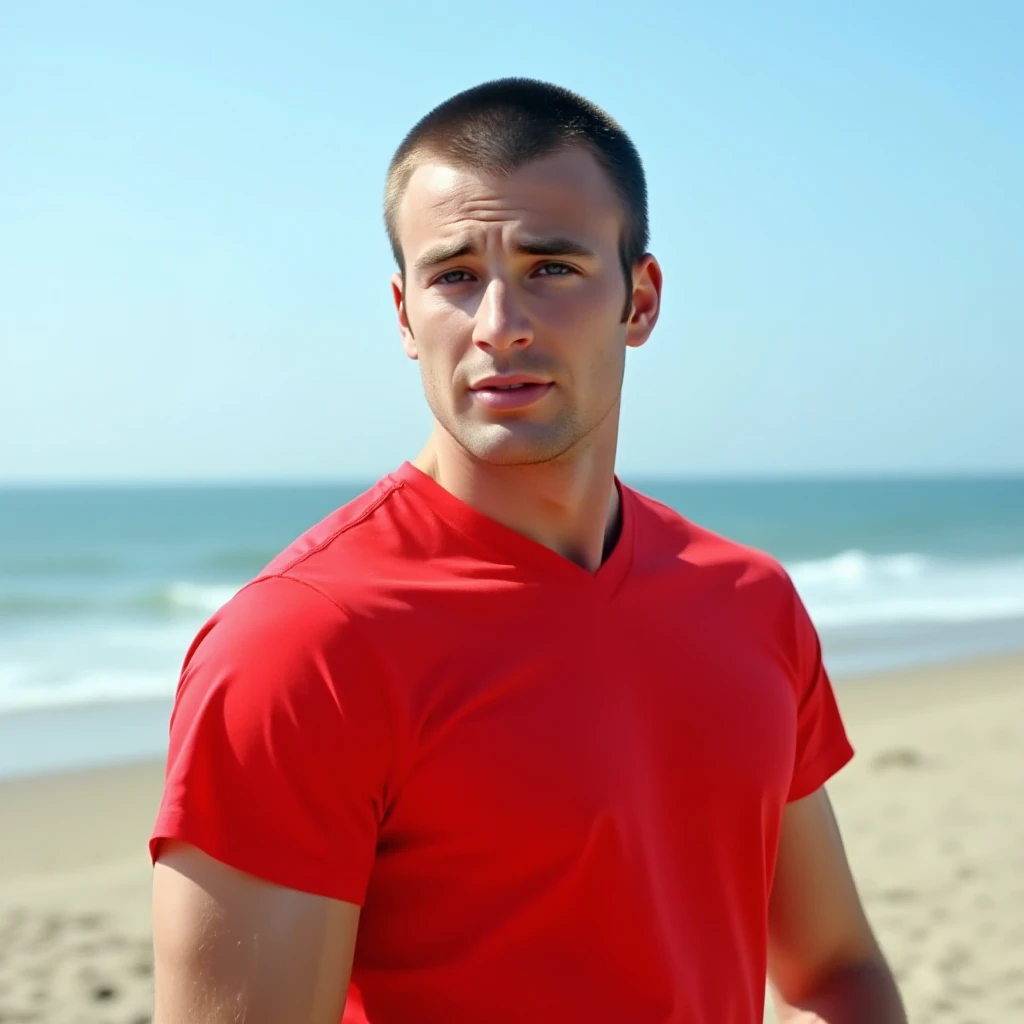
[564,190]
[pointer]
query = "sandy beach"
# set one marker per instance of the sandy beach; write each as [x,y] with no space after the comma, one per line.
[930,810]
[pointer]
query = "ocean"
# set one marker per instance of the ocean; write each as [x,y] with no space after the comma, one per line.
[103,588]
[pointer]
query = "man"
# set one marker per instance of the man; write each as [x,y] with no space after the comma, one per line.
[503,740]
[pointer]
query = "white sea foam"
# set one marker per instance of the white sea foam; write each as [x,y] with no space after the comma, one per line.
[856,589]
[90,662]
[851,568]
[23,687]
[172,599]
[197,597]
[114,648]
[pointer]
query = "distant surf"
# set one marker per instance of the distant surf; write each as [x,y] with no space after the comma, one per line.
[103,590]
[171,600]
[857,589]
[128,645]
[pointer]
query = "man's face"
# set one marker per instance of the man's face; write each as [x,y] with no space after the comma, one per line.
[513,300]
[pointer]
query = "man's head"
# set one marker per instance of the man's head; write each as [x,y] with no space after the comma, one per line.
[517,213]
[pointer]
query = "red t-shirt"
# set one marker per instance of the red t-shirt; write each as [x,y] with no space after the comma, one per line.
[555,794]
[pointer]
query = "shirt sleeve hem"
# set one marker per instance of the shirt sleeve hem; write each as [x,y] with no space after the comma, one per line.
[335,881]
[814,775]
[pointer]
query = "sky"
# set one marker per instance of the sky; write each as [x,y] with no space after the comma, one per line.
[194,276]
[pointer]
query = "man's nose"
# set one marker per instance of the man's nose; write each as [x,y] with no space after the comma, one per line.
[501,322]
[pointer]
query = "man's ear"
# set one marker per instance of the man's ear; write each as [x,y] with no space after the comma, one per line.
[646,301]
[398,294]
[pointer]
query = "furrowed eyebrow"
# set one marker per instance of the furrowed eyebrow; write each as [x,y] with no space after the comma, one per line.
[442,253]
[552,246]
[548,246]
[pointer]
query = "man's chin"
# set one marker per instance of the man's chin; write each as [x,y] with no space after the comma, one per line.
[501,446]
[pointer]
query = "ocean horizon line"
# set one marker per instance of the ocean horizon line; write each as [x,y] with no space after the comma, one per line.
[637,477]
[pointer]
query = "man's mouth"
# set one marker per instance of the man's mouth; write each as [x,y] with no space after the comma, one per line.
[516,394]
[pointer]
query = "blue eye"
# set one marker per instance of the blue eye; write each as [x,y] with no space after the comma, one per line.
[556,270]
[449,277]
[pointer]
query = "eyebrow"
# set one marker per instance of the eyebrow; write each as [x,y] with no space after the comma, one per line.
[550,245]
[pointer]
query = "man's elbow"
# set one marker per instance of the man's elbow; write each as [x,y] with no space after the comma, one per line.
[856,992]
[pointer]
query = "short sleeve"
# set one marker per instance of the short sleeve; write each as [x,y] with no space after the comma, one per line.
[279,743]
[822,745]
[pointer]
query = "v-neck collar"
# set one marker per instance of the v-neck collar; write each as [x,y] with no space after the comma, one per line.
[521,551]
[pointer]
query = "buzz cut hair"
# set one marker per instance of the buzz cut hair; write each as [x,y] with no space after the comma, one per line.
[499,126]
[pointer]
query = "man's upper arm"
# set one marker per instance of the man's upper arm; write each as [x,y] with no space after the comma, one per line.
[817,923]
[231,947]
[280,743]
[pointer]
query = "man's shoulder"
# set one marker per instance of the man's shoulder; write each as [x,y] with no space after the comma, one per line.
[312,594]
[735,585]
[376,536]
[333,572]
[667,535]
[359,525]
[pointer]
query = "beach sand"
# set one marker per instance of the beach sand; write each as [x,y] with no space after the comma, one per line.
[931,811]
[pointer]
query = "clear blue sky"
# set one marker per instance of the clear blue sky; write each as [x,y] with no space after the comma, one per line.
[194,275]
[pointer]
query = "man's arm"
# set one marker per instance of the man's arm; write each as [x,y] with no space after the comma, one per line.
[824,963]
[230,947]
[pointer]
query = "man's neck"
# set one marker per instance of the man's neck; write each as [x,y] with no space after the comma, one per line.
[570,505]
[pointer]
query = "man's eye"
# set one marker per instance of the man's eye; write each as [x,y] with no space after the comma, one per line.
[556,270]
[452,277]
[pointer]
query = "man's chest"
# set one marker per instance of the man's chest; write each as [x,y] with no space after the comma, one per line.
[542,732]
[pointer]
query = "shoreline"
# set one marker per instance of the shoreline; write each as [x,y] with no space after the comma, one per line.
[864,701]
[929,810]
[70,739]
[98,800]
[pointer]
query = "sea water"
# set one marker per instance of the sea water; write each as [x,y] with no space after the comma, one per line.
[103,588]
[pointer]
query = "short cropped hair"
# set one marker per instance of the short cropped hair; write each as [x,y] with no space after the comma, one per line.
[501,125]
